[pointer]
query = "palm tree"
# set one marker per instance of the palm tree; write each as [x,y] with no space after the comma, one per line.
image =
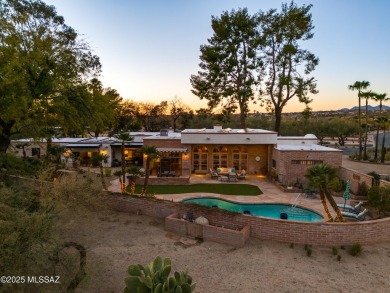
[319,176]
[99,158]
[134,172]
[359,85]
[151,154]
[366,95]
[383,121]
[123,137]
[379,98]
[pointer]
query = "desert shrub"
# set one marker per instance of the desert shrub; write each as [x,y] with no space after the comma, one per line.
[362,189]
[336,185]
[355,249]
[334,250]
[309,252]
[20,166]
[107,172]
[379,198]
[376,177]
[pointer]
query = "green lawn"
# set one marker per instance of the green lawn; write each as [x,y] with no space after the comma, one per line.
[227,189]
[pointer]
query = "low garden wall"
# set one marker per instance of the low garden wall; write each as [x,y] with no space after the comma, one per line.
[154,180]
[319,233]
[215,232]
[355,178]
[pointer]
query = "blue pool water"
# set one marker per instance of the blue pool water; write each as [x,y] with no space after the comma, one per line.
[263,210]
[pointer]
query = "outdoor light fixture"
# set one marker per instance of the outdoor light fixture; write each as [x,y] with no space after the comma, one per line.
[207,138]
[248,138]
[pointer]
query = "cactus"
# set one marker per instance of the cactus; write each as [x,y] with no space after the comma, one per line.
[154,278]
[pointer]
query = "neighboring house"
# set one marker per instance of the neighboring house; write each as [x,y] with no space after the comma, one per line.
[196,151]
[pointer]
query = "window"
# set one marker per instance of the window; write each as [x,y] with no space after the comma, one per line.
[200,162]
[306,162]
[36,152]
[240,161]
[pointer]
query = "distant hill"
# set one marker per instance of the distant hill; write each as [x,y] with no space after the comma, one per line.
[370,108]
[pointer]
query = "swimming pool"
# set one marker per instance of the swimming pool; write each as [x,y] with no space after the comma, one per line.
[276,211]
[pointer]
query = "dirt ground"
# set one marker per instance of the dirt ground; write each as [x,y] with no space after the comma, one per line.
[116,240]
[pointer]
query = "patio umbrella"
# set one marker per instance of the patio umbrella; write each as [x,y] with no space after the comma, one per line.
[346,194]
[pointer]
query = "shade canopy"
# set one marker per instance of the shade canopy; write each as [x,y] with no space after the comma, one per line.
[172,150]
[86,147]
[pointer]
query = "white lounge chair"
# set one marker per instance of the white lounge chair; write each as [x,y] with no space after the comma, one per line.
[359,217]
[350,208]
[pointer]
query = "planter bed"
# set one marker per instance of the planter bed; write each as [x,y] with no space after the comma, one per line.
[235,236]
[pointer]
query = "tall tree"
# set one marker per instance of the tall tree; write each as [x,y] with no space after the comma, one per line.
[43,62]
[320,176]
[383,121]
[366,95]
[104,102]
[177,110]
[379,98]
[359,86]
[228,63]
[286,66]
[151,154]
[123,137]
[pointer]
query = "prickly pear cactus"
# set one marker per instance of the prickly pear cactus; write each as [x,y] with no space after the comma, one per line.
[154,278]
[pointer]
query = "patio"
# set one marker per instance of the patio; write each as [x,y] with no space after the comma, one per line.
[271,193]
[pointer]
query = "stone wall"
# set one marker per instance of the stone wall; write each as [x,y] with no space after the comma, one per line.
[319,233]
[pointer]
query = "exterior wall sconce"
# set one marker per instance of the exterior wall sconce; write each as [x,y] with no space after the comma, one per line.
[248,138]
[207,138]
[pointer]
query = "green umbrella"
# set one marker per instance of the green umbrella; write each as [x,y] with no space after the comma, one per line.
[346,194]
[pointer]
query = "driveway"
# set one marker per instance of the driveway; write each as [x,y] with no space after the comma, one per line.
[365,167]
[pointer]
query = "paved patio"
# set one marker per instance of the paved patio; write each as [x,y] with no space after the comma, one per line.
[271,193]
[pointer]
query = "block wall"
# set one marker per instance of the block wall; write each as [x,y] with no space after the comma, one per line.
[319,233]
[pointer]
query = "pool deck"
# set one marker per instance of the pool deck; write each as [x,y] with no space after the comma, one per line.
[271,194]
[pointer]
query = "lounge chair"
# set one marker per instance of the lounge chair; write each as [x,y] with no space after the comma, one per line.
[359,217]
[354,209]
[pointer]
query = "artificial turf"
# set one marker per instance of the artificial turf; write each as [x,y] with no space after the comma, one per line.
[226,189]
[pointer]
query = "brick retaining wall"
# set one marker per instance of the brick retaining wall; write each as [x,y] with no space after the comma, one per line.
[217,233]
[355,178]
[319,233]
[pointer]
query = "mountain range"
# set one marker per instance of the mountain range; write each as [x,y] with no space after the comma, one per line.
[363,107]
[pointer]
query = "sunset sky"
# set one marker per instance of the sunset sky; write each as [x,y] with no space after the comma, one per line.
[149,49]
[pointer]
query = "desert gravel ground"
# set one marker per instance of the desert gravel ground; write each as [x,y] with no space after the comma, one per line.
[116,240]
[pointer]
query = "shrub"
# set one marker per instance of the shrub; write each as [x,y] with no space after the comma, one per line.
[107,172]
[292,245]
[336,185]
[339,257]
[362,189]
[334,250]
[355,249]
[309,252]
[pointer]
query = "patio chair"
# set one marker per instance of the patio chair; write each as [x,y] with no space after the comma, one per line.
[213,174]
[349,208]
[241,175]
[359,217]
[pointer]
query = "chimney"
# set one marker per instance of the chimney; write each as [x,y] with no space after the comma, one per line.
[217,126]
